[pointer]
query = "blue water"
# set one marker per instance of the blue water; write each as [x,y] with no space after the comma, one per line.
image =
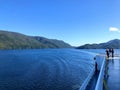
[45,69]
[102,51]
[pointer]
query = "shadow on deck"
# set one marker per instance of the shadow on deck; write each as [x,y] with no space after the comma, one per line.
[92,83]
[113,80]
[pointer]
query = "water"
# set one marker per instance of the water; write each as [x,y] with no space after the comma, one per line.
[45,69]
[102,51]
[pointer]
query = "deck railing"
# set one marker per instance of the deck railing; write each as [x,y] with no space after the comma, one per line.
[86,82]
[101,65]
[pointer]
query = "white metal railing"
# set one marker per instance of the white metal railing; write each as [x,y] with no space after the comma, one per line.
[86,82]
[100,59]
[101,65]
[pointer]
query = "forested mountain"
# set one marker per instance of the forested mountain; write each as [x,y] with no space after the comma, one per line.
[110,44]
[52,43]
[13,40]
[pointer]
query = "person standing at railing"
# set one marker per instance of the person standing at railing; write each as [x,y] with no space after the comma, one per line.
[112,51]
[107,53]
[96,65]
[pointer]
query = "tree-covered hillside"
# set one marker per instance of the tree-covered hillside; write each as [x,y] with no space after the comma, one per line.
[52,43]
[13,40]
[110,44]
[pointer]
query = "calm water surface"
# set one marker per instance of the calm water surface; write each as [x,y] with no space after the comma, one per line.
[46,69]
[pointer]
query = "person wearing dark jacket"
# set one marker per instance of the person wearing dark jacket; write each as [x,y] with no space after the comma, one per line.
[107,53]
[112,51]
[96,65]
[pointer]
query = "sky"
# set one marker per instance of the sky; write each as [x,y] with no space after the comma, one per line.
[76,22]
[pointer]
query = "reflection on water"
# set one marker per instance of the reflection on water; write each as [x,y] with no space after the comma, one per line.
[47,69]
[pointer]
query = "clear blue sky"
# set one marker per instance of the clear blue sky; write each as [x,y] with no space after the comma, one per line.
[75,21]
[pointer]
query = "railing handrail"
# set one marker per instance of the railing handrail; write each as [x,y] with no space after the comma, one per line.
[86,82]
[99,85]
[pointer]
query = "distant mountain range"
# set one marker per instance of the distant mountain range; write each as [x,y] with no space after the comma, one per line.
[13,40]
[110,44]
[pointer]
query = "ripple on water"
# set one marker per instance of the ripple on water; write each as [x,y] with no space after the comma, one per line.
[57,69]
